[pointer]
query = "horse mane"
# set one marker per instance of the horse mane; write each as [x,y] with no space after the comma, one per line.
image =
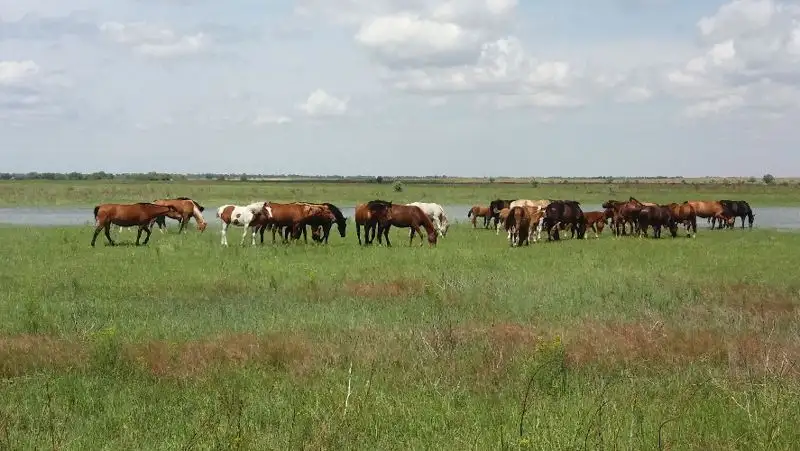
[199,207]
[377,203]
[336,212]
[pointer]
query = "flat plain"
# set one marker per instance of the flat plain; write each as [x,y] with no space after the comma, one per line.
[599,343]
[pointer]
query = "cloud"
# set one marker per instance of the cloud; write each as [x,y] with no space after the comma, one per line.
[267,118]
[320,103]
[16,72]
[752,49]
[154,41]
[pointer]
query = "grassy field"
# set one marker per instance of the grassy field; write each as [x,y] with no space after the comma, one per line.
[215,193]
[682,343]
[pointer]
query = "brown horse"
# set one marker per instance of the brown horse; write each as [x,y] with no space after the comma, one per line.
[186,210]
[289,218]
[480,211]
[321,220]
[595,220]
[406,216]
[625,213]
[708,209]
[684,214]
[502,220]
[518,223]
[657,217]
[141,214]
[364,217]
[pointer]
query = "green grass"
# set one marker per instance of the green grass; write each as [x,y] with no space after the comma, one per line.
[611,342]
[215,193]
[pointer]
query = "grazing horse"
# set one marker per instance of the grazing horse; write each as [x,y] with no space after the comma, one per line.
[364,217]
[388,215]
[657,217]
[517,223]
[708,209]
[684,214]
[595,220]
[187,209]
[246,217]
[625,213]
[565,212]
[737,209]
[435,213]
[502,222]
[141,214]
[323,216]
[496,205]
[291,219]
[541,203]
[480,211]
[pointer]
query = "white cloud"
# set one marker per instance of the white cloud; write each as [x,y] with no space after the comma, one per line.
[154,41]
[14,72]
[267,118]
[635,94]
[320,103]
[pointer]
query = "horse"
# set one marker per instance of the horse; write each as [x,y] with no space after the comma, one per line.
[541,203]
[291,219]
[364,217]
[737,209]
[388,215]
[480,211]
[246,217]
[657,217]
[139,214]
[321,221]
[566,212]
[708,209]
[595,220]
[625,213]
[517,223]
[502,220]
[435,213]
[187,209]
[495,206]
[684,214]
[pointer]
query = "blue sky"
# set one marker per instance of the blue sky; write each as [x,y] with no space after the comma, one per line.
[401,87]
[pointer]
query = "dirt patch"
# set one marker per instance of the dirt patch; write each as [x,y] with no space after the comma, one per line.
[759,300]
[291,352]
[656,346]
[23,354]
[386,289]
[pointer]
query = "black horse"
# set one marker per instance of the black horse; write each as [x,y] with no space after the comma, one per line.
[566,212]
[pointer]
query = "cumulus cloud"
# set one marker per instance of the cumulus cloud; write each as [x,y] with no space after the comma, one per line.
[751,51]
[15,72]
[320,103]
[154,41]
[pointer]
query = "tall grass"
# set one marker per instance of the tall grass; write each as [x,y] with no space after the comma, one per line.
[672,343]
[215,193]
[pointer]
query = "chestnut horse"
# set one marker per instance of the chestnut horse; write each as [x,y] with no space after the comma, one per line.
[502,223]
[187,209]
[708,209]
[389,214]
[364,217]
[321,220]
[517,223]
[595,220]
[479,211]
[141,214]
[290,218]
[684,214]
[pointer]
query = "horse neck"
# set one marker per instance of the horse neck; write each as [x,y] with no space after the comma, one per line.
[196,213]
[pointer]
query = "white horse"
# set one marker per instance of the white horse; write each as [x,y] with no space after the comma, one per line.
[435,213]
[242,217]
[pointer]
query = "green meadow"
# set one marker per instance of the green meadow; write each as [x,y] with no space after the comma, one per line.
[600,343]
[216,193]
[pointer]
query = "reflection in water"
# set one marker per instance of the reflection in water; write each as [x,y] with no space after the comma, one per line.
[770,217]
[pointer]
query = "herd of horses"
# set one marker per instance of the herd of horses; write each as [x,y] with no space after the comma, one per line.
[523,219]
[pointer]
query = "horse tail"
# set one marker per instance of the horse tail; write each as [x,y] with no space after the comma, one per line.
[96,209]
[469,213]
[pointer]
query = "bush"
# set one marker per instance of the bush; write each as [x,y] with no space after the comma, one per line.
[769,179]
[397,187]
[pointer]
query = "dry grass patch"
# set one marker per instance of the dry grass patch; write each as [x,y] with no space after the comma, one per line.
[386,289]
[23,354]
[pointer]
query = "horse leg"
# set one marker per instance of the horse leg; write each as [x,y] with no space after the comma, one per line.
[97,230]
[108,234]
[245,228]
[138,235]
[147,238]
[358,233]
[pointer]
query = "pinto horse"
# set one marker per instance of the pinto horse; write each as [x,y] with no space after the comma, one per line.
[246,217]
[566,212]
[479,211]
[141,214]
[684,214]
[523,223]
[389,214]
[187,209]
[435,213]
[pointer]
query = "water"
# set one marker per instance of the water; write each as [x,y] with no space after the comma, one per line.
[766,217]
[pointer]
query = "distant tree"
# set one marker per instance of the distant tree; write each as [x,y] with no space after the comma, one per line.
[751,180]
[398,187]
[379,179]
[534,183]
[243,178]
[769,179]
[491,179]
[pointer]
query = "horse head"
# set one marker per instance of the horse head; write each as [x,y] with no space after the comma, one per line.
[267,209]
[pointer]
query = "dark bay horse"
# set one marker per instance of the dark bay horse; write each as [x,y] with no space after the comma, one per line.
[365,218]
[565,212]
[388,214]
[657,217]
[186,210]
[140,214]
[737,209]
[495,206]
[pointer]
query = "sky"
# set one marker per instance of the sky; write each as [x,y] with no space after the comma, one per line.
[402,87]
